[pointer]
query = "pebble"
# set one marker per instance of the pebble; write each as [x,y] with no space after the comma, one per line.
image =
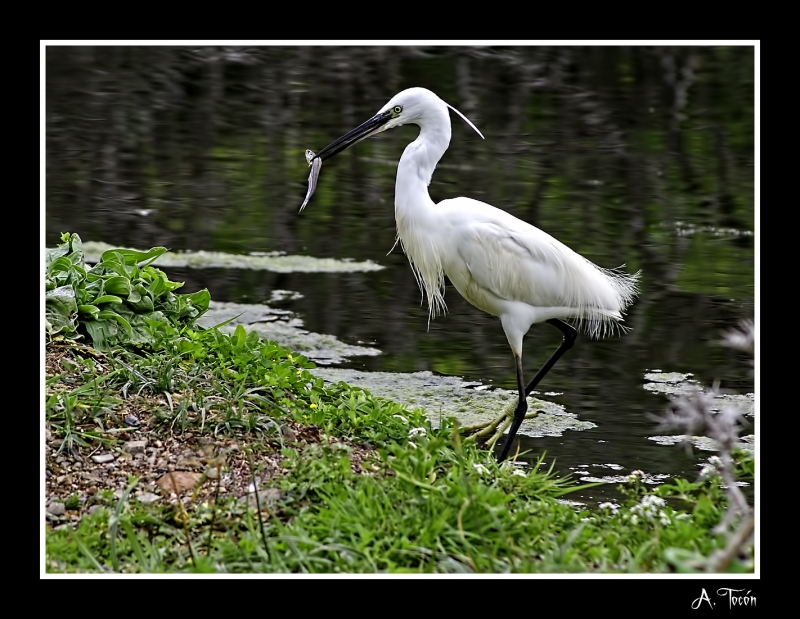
[103,458]
[148,497]
[135,447]
[56,508]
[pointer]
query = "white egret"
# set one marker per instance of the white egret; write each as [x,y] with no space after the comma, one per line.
[500,264]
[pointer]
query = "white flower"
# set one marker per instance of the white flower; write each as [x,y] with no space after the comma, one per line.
[649,508]
[518,472]
[612,506]
[652,499]
[416,432]
[708,470]
[635,475]
[412,445]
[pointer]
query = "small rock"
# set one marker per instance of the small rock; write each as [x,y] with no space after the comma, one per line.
[148,497]
[178,481]
[56,508]
[103,458]
[135,447]
[94,508]
[111,466]
[212,473]
[132,421]
[91,490]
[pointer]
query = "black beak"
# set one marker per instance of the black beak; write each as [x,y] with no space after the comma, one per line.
[356,135]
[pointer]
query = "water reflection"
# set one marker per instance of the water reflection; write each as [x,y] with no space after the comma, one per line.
[611,150]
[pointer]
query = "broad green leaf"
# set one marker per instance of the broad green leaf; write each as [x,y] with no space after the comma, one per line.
[201,300]
[239,336]
[61,309]
[54,253]
[133,257]
[100,331]
[108,315]
[134,296]
[144,305]
[118,285]
[156,287]
[107,298]
[114,261]
[59,265]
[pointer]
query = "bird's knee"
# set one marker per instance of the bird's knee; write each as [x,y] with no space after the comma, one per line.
[569,333]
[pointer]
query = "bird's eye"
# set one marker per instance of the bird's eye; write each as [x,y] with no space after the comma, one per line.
[397,109]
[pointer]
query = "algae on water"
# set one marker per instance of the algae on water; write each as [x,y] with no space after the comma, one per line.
[272,261]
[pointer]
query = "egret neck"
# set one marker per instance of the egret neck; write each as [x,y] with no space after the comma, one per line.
[415,213]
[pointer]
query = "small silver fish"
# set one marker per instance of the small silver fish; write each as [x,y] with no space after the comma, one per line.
[316,165]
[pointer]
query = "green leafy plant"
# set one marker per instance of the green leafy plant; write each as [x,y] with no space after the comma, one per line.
[122,299]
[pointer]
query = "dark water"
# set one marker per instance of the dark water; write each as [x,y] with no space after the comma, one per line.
[614,151]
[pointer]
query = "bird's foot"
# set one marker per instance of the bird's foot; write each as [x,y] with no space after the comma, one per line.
[487,434]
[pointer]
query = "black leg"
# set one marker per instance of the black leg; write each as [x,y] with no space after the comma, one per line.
[522,407]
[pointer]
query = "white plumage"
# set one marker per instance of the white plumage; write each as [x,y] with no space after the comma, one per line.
[500,264]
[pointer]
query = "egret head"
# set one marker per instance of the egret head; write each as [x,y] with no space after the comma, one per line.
[413,105]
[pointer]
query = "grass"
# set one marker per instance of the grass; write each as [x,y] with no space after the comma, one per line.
[284,473]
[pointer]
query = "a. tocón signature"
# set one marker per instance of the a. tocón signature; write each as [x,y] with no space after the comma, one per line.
[734,597]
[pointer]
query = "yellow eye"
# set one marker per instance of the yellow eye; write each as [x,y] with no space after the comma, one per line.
[397,109]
